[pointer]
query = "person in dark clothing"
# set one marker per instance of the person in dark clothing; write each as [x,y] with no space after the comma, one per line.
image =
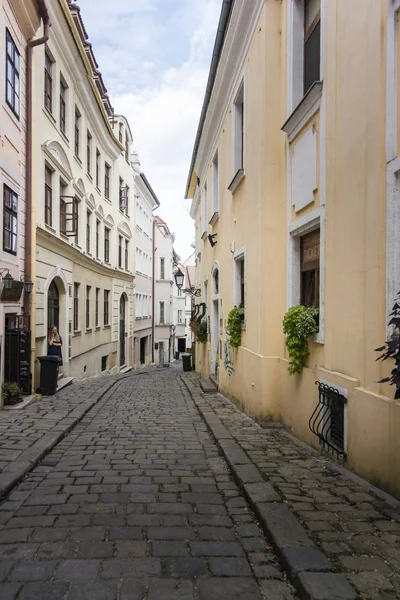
[54,342]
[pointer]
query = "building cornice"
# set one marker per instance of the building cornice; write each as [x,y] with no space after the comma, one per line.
[51,242]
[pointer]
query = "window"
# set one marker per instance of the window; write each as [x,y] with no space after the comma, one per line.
[88,292]
[69,215]
[76,306]
[126,148]
[12,74]
[97,168]
[310,269]
[97,238]
[205,209]
[180,316]
[162,316]
[180,292]
[107,173]
[88,152]
[88,219]
[96,321]
[48,83]
[122,203]
[312,42]
[106,245]
[162,268]
[48,197]
[10,220]
[120,241]
[126,255]
[106,307]
[77,131]
[63,209]
[63,99]
[238,131]
[104,363]
[239,278]
[126,200]
[215,186]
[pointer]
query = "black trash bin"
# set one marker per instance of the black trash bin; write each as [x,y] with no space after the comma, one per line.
[48,374]
[186,362]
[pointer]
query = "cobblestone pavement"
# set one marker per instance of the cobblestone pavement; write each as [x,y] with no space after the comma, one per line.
[27,433]
[353,524]
[135,503]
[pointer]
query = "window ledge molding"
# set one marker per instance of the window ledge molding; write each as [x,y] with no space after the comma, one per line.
[50,228]
[49,116]
[16,118]
[88,330]
[236,181]
[304,110]
[77,332]
[214,218]
[204,235]
[78,160]
[317,338]
[97,328]
[64,136]
[88,175]
[107,326]
[98,190]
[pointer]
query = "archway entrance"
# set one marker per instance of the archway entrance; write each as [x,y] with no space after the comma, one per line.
[122,331]
[53,306]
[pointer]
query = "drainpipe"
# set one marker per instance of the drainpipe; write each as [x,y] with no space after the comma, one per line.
[30,222]
[153,301]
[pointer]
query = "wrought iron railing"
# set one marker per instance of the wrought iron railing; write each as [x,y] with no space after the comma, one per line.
[328,419]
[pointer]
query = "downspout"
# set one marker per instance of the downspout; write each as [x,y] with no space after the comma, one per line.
[29,222]
[153,301]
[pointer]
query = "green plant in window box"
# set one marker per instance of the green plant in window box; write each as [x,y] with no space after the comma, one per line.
[235,322]
[299,324]
[11,393]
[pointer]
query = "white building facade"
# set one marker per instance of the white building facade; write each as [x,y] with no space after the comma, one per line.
[164,325]
[145,202]
[19,22]
[179,314]
[84,206]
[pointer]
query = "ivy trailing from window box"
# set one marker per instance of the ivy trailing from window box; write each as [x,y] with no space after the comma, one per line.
[299,324]
[235,322]
[392,349]
[199,329]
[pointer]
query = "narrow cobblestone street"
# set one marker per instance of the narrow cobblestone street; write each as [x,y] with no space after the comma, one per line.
[137,502]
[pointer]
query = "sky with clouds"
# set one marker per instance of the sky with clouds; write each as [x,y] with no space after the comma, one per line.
[155,56]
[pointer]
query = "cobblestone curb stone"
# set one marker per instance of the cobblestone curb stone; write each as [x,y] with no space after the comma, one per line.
[14,472]
[307,567]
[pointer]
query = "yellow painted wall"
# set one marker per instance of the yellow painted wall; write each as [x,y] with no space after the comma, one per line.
[352,139]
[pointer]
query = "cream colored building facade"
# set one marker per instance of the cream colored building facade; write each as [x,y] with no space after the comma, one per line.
[84,206]
[295,174]
[18,24]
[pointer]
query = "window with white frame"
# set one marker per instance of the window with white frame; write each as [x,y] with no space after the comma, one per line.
[215,187]
[205,209]
[310,269]
[239,276]
[162,313]
[180,316]
[238,130]
[162,268]
[305,47]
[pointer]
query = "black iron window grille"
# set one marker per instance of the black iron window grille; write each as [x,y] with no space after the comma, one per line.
[328,419]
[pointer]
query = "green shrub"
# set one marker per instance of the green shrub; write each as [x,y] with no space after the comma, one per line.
[299,324]
[235,322]
[199,330]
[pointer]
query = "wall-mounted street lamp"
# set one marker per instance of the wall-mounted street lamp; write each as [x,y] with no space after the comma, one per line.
[179,279]
[28,284]
[7,279]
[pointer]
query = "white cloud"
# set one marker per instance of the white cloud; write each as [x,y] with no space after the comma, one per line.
[163,50]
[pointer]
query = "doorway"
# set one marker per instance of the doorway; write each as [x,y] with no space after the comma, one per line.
[143,344]
[122,331]
[53,306]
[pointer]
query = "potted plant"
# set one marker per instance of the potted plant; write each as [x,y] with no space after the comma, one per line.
[299,324]
[392,349]
[235,322]
[11,393]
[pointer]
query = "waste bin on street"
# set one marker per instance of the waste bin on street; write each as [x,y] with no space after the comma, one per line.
[186,362]
[48,374]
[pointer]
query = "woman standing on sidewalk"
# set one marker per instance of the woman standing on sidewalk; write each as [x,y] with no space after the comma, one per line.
[54,341]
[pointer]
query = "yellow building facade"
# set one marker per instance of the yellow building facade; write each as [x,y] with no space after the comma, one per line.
[294,195]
